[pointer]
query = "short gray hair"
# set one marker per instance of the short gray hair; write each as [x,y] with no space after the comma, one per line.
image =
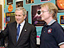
[23,9]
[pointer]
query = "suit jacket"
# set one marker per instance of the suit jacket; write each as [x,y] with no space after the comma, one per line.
[27,37]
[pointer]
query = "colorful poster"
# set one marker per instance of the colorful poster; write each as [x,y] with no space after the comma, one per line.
[19,4]
[60,5]
[36,17]
[45,0]
[29,1]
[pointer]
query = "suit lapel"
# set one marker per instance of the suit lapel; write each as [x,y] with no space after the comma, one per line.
[23,32]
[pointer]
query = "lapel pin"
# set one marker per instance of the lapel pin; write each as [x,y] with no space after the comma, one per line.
[25,30]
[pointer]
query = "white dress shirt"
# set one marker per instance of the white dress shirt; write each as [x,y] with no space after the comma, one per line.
[21,27]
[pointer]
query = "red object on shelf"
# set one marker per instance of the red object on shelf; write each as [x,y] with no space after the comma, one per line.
[2,47]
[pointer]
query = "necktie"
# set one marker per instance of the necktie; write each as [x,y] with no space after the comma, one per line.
[18,31]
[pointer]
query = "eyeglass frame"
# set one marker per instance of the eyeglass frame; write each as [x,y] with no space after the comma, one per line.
[43,11]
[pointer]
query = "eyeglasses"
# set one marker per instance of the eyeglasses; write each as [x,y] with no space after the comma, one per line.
[43,11]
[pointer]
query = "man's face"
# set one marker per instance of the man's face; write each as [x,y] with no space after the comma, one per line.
[45,15]
[19,16]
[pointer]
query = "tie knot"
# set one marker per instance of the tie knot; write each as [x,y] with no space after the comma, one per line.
[18,25]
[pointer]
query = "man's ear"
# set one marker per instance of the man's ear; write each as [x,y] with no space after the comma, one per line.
[51,13]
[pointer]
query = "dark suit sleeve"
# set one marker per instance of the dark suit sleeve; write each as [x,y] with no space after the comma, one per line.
[33,38]
[4,32]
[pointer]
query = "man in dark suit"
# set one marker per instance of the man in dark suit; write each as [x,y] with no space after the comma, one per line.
[27,33]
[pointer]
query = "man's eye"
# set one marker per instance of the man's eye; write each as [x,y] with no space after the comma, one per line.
[19,15]
[15,15]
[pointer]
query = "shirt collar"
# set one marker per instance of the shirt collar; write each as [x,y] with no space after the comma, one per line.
[52,22]
[21,23]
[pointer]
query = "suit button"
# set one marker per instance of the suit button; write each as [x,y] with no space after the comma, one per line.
[44,31]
